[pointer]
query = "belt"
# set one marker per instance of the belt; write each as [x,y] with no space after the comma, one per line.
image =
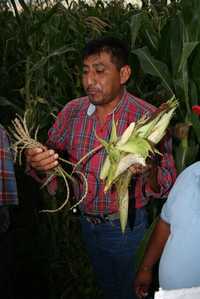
[98,219]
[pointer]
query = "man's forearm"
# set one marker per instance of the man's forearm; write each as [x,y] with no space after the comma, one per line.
[153,179]
[156,244]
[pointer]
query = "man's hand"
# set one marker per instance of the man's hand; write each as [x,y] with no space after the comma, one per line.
[138,169]
[142,283]
[149,171]
[41,159]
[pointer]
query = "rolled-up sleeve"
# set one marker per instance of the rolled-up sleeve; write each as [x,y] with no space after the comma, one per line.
[166,175]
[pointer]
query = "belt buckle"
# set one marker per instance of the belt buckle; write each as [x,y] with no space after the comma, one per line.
[93,220]
[97,219]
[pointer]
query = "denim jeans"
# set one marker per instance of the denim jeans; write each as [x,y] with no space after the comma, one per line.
[112,253]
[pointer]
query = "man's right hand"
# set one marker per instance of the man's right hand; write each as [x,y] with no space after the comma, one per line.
[142,283]
[41,159]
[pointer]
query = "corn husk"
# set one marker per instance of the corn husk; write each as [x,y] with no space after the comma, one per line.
[136,144]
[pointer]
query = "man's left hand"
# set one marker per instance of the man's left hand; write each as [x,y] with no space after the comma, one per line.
[149,172]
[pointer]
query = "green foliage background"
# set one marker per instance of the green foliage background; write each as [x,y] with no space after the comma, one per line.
[40,70]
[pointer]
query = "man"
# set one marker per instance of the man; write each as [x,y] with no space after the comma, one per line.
[176,236]
[105,73]
[8,197]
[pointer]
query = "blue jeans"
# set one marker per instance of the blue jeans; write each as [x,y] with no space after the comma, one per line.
[112,253]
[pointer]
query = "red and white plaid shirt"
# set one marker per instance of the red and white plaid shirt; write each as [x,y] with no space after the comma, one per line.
[75,132]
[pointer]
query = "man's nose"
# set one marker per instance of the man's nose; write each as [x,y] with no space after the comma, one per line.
[91,78]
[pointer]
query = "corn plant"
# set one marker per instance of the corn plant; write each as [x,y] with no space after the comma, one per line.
[171,56]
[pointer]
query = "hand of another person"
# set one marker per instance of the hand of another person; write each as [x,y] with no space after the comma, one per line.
[142,283]
[41,159]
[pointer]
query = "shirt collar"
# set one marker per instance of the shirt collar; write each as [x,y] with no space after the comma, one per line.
[92,108]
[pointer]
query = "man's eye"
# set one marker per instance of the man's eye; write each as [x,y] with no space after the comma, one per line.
[85,71]
[100,71]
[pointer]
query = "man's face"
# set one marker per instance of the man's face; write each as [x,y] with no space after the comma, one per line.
[101,79]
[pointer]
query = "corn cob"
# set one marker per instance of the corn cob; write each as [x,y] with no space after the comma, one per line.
[134,146]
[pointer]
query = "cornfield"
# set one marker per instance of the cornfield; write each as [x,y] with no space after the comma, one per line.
[41,43]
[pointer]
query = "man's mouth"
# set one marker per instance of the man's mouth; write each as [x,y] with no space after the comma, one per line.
[92,91]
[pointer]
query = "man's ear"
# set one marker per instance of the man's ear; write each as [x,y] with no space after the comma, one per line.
[125,73]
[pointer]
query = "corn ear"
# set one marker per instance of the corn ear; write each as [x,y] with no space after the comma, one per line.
[111,174]
[123,198]
[126,162]
[105,169]
[136,145]
[133,147]
[126,135]
[146,125]
[158,131]
[113,135]
[123,210]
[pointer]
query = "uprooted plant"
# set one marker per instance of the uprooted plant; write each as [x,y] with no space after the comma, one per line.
[21,135]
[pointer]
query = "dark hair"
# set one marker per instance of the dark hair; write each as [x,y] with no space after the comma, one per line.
[115,47]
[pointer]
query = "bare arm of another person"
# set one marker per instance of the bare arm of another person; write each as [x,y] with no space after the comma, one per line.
[153,252]
[41,159]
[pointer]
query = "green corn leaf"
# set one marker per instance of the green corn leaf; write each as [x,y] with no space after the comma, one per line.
[188,48]
[113,135]
[123,209]
[103,142]
[136,145]
[126,161]
[135,25]
[123,198]
[126,135]
[105,169]
[154,67]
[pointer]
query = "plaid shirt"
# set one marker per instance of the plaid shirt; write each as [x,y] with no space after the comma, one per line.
[75,132]
[8,188]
